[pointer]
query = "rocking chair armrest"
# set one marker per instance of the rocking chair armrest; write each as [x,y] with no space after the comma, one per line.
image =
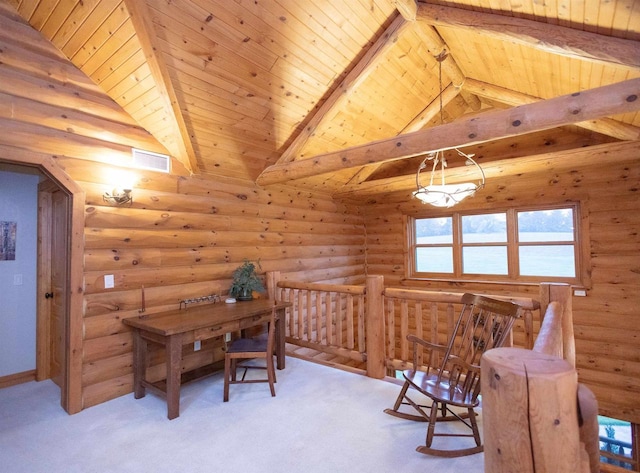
[465,366]
[430,347]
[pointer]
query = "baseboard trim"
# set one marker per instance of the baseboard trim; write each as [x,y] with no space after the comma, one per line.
[17,378]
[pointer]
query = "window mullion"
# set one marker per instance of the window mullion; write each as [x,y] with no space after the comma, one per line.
[457,244]
[512,245]
[410,244]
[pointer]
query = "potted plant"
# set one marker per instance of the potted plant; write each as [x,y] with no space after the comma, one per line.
[245,281]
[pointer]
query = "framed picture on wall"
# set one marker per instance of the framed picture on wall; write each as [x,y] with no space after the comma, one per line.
[8,241]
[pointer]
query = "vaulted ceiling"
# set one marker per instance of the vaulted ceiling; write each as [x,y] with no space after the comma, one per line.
[344,96]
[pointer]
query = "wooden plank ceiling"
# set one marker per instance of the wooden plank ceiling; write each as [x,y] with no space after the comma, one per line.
[246,88]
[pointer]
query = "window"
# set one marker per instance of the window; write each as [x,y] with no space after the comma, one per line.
[617,443]
[514,244]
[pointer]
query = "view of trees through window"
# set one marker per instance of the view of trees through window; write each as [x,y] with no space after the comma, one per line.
[616,442]
[557,221]
[542,241]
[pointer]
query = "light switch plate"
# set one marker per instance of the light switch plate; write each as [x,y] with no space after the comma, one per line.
[108,281]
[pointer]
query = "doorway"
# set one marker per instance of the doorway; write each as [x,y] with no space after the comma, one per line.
[60,274]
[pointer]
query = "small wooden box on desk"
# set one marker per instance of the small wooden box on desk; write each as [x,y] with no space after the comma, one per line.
[180,327]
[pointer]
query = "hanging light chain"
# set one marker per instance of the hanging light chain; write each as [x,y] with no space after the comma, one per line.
[441,57]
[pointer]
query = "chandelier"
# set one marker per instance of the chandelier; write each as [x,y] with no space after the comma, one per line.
[442,194]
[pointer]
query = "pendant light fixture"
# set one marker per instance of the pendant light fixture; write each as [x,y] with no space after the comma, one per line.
[441,194]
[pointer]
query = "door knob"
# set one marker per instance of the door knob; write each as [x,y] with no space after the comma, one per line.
[48,295]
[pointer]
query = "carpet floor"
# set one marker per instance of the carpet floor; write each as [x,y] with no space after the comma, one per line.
[322,420]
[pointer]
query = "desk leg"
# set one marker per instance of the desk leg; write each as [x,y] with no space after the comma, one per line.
[280,339]
[174,372]
[139,364]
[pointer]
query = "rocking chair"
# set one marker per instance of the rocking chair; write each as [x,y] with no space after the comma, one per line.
[483,324]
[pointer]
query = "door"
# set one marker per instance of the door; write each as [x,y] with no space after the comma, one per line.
[59,249]
[52,282]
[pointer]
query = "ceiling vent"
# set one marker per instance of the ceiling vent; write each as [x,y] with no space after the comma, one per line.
[149,160]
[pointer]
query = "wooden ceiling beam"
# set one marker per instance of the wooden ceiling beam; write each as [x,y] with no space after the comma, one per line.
[360,72]
[381,189]
[419,122]
[407,8]
[606,126]
[432,110]
[436,46]
[145,32]
[440,51]
[623,97]
[546,37]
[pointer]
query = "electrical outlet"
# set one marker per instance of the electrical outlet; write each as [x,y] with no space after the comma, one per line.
[227,337]
[197,345]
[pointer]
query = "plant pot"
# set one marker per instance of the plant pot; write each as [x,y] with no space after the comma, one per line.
[245,295]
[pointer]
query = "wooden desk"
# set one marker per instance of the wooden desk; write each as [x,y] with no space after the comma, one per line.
[180,327]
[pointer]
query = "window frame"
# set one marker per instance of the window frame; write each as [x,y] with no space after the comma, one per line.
[580,244]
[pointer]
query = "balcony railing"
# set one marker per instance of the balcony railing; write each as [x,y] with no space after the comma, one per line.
[617,452]
[327,318]
[368,324]
[367,327]
[430,315]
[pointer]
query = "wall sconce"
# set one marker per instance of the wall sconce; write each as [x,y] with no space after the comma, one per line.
[118,196]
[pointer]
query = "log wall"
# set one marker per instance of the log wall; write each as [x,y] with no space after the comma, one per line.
[185,243]
[607,321]
[183,235]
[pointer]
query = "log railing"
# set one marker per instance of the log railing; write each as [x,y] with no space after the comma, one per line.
[532,395]
[325,317]
[369,324]
[556,325]
[431,315]
[556,338]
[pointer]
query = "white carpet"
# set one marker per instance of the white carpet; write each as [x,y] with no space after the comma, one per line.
[321,420]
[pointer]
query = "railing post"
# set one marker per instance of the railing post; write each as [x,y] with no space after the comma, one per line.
[374,323]
[272,278]
[561,293]
[531,397]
